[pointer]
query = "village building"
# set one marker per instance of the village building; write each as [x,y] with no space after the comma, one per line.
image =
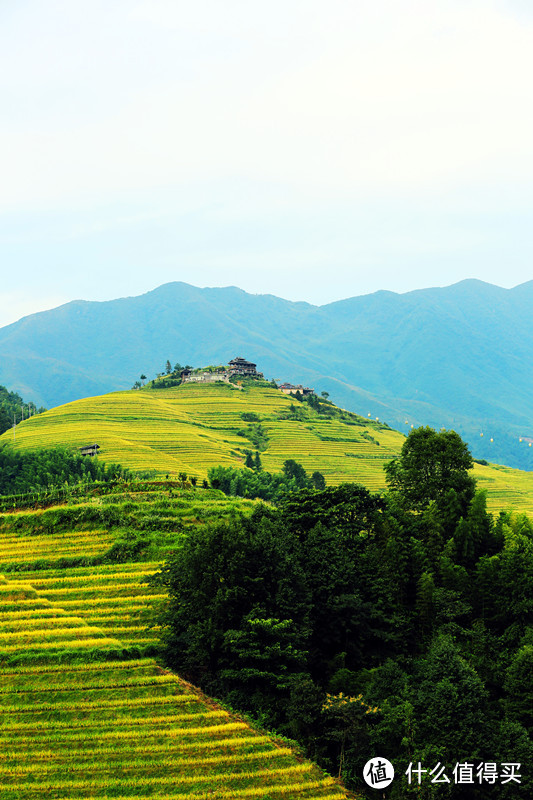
[288,388]
[190,376]
[239,366]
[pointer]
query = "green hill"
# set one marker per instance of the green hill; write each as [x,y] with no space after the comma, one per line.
[195,426]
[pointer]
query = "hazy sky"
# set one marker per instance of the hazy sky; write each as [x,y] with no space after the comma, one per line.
[310,149]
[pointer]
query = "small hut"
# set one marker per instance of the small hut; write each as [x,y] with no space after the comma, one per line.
[90,450]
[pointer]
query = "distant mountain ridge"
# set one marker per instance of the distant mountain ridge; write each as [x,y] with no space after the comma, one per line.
[458,356]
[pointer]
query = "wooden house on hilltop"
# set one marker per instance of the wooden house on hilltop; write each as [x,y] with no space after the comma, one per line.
[239,366]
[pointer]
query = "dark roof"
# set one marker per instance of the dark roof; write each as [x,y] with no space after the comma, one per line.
[239,361]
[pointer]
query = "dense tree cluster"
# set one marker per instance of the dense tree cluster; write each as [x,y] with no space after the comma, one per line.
[256,483]
[397,625]
[28,471]
[11,409]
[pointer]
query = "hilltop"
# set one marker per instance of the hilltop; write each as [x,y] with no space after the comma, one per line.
[453,357]
[194,426]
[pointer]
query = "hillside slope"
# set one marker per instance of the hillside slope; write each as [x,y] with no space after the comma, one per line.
[455,357]
[86,710]
[195,426]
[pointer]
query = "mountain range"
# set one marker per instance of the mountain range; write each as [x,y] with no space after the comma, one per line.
[456,357]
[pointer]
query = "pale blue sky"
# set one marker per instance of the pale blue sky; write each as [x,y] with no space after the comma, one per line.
[307,149]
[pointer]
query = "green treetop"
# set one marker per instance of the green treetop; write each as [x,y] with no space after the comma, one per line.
[431,464]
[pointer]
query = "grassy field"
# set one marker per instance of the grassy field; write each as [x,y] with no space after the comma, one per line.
[195,426]
[85,711]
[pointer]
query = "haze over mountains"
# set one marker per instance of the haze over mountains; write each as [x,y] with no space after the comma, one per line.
[456,357]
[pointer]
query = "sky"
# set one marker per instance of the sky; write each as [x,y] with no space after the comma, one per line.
[309,149]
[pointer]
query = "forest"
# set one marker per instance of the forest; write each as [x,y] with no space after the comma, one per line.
[397,625]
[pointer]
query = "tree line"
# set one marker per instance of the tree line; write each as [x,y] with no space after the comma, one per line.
[13,409]
[29,471]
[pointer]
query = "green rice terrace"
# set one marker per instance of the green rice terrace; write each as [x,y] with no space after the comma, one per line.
[86,711]
[193,427]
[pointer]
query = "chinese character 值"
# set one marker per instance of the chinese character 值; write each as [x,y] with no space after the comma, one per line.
[377,772]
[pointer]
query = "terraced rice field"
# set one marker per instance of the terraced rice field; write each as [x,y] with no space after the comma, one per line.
[83,711]
[31,624]
[195,426]
[114,598]
[87,528]
[507,488]
[128,729]
[17,548]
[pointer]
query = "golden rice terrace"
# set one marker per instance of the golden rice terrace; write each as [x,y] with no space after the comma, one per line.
[195,426]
